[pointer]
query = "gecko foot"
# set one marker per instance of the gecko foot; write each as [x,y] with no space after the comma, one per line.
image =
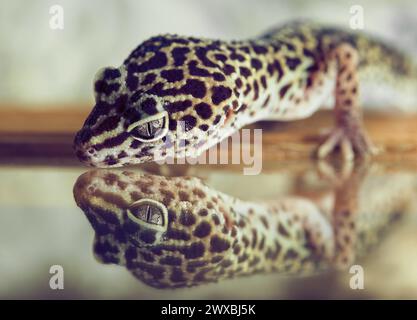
[350,142]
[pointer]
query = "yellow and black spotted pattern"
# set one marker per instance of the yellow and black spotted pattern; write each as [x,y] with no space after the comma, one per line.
[210,88]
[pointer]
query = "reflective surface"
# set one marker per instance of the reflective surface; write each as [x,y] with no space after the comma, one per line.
[362,216]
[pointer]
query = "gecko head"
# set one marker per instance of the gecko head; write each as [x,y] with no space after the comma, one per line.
[147,222]
[123,128]
[113,205]
[166,100]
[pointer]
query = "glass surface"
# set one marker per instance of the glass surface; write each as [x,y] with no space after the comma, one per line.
[42,226]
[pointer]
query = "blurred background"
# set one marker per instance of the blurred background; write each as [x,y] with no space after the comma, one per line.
[46,92]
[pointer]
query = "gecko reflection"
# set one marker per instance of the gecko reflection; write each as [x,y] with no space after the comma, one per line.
[178,232]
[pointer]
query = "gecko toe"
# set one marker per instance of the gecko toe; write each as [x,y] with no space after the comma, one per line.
[351,144]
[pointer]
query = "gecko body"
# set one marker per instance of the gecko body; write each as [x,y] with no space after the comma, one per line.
[176,232]
[200,91]
[179,232]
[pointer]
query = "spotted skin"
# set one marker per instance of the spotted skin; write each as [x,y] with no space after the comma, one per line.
[205,90]
[209,236]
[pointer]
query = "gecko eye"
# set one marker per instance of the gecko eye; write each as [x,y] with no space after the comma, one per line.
[150,129]
[149,213]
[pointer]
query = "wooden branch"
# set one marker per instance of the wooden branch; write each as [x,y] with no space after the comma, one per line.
[48,134]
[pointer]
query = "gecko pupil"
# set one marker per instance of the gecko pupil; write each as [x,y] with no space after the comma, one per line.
[148,213]
[149,130]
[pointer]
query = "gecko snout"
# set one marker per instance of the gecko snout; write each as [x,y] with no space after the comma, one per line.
[84,151]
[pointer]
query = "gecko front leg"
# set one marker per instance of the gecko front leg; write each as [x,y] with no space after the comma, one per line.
[349,133]
[346,182]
